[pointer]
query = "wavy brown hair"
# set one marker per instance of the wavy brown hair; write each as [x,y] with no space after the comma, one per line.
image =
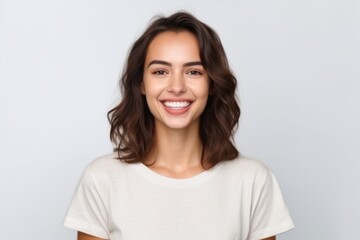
[132,124]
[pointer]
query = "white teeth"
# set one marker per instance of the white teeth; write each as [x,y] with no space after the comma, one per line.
[176,104]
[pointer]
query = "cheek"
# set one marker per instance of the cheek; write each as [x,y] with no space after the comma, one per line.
[151,86]
[152,91]
[203,90]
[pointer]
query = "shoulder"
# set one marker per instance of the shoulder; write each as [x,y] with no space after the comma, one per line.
[104,163]
[105,167]
[249,175]
[245,164]
[244,168]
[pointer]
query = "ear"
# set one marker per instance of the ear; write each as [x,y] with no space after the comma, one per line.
[142,88]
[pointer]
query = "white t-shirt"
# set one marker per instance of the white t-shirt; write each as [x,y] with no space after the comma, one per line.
[235,200]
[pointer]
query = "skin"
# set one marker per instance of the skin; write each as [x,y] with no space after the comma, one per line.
[84,236]
[173,73]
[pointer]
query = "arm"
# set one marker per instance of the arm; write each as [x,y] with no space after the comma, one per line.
[84,236]
[270,238]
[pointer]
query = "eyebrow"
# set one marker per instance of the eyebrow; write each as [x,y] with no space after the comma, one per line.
[188,64]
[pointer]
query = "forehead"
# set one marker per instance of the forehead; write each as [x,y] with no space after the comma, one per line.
[174,46]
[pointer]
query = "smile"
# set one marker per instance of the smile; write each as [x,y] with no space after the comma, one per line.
[177,105]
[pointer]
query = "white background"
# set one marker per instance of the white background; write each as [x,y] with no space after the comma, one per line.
[298,68]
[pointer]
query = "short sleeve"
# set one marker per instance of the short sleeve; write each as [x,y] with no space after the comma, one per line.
[269,214]
[88,210]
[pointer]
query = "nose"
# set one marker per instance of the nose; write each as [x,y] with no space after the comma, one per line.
[177,83]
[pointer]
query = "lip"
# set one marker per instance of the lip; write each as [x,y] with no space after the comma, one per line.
[176,111]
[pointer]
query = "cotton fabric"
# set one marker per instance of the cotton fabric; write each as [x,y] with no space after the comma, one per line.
[235,200]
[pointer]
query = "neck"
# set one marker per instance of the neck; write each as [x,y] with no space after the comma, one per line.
[176,151]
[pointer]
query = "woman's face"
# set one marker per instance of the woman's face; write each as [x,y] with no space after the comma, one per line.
[175,82]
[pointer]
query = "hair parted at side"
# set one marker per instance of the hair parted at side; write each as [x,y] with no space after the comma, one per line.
[132,124]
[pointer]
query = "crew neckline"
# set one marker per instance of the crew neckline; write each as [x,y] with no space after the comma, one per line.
[166,181]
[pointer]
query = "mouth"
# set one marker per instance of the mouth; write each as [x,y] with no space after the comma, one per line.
[176,105]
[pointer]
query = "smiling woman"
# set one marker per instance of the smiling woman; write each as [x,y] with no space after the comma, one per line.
[175,172]
[175,83]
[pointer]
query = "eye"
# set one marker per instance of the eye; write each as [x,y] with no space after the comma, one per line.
[159,72]
[194,72]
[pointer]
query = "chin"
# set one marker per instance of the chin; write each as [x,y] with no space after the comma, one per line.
[177,125]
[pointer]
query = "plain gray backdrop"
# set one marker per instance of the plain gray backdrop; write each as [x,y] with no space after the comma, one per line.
[298,68]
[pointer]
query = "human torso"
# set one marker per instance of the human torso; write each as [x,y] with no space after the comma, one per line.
[215,204]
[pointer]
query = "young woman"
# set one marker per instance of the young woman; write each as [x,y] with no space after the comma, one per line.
[176,173]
